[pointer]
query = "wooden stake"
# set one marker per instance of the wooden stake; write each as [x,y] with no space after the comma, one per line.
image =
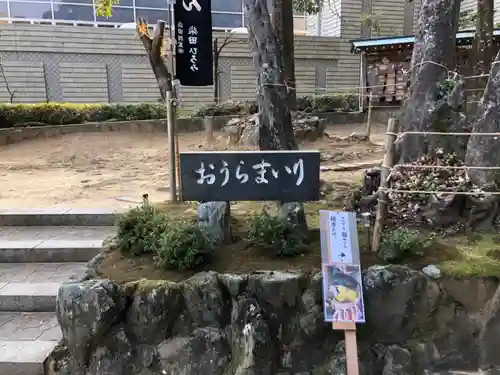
[351,346]
[382,194]
[209,130]
[368,128]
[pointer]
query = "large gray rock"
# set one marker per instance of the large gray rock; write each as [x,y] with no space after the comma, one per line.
[206,351]
[86,312]
[270,323]
[215,218]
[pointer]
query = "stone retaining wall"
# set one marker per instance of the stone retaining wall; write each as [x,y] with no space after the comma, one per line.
[185,125]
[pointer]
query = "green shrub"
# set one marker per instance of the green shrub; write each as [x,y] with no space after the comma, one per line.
[139,230]
[67,113]
[183,246]
[400,243]
[276,235]
[309,104]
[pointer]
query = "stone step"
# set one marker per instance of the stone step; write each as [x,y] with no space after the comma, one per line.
[51,244]
[24,357]
[33,287]
[60,216]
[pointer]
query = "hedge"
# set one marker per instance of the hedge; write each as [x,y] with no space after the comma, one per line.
[12,115]
[67,113]
[309,104]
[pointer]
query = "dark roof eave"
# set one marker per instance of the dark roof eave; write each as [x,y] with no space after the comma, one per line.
[401,42]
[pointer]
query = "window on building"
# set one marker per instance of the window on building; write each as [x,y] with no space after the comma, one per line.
[227,5]
[88,2]
[226,20]
[73,12]
[152,15]
[160,4]
[120,15]
[4,12]
[30,10]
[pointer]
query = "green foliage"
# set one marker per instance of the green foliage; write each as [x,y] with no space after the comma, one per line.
[67,113]
[176,243]
[307,6]
[467,19]
[401,243]
[183,246]
[104,8]
[135,230]
[447,87]
[276,235]
[310,104]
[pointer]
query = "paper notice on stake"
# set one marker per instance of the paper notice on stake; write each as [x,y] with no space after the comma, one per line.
[339,238]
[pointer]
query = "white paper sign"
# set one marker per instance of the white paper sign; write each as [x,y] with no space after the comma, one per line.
[340,237]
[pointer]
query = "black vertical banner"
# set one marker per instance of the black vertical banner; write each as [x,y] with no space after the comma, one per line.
[193,33]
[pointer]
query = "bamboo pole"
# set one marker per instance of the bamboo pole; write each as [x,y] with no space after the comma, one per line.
[368,128]
[388,163]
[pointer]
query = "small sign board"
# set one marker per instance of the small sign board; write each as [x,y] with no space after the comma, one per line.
[339,237]
[286,176]
[342,285]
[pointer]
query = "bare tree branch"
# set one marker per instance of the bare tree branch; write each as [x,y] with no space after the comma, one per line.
[12,93]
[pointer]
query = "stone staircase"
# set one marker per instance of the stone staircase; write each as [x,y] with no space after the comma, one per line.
[39,250]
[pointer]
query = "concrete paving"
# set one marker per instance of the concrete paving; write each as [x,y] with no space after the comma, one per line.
[39,250]
[31,287]
[51,244]
[59,217]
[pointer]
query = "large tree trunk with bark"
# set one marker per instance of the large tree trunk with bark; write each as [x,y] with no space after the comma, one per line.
[485,150]
[275,122]
[283,26]
[483,43]
[433,55]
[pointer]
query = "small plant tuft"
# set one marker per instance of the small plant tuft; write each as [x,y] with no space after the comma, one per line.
[274,234]
[401,243]
[184,246]
[176,243]
[136,228]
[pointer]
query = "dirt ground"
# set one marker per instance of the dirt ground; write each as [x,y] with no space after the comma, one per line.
[116,169]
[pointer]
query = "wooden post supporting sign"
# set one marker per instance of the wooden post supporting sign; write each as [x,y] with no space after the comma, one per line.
[351,346]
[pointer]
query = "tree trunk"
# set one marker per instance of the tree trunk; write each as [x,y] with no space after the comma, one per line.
[433,53]
[283,26]
[483,52]
[153,46]
[216,54]
[484,151]
[275,122]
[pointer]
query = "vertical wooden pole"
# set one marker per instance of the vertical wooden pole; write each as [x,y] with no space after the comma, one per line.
[351,352]
[382,194]
[209,130]
[351,345]
[368,128]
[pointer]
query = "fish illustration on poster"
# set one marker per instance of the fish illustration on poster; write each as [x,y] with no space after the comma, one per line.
[343,293]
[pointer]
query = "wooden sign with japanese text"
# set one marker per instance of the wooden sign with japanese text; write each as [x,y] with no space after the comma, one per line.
[286,176]
[193,35]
